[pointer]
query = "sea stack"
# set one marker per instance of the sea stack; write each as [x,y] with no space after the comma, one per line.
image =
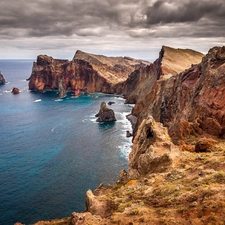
[105,114]
[15,90]
[2,79]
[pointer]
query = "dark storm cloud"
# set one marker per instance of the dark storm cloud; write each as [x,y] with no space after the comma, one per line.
[181,11]
[108,25]
[99,18]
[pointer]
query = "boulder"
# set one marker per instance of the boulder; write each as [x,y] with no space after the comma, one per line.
[105,114]
[98,207]
[205,145]
[110,103]
[15,90]
[128,134]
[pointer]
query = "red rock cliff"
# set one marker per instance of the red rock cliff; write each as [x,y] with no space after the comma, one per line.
[92,73]
[190,103]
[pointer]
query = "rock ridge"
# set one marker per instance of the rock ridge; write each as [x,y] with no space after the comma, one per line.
[85,72]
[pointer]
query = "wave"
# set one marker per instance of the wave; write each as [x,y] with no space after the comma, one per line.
[125,149]
[56,127]
[38,100]
[53,128]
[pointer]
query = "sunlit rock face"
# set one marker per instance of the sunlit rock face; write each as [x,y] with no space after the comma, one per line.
[188,103]
[86,72]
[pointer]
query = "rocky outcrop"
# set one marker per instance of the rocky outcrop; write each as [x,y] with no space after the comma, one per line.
[86,72]
[113,69]
[191,102]
[140,83]
[152,149]
[62,88]
[15,90]
[105,114]
[2,79]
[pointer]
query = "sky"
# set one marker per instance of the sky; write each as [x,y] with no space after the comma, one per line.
[135,28]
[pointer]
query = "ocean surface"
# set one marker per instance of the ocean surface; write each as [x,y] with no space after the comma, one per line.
[52,151]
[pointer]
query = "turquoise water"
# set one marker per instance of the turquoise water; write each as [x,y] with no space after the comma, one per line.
[52,151]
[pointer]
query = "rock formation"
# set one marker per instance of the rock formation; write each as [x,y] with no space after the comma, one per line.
[62,88]
[86,72]
[189,103]
[105,114]
[2,79]
[166,183]
[170,62]
[15,90]
[113,69]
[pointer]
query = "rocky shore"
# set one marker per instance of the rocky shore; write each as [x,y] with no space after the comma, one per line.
[177,163]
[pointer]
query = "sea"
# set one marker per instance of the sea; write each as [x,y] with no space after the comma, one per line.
[53,150]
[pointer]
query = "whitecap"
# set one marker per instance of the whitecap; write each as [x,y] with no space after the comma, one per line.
[59,100]
[53,128]
[125,149]
[7,91]
[38,100]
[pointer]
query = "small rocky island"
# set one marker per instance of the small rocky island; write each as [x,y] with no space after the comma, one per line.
[105,114]
[15,90]
[2,79]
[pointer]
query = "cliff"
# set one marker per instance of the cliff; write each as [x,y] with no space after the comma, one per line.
[176,166]
[2,79]
[113,69]
[189,103]
[86,72]
[170,62]
[163,185]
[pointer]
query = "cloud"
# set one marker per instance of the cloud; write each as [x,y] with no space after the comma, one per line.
[182,11]
[80,22]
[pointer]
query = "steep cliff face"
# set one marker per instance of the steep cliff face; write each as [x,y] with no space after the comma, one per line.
[2,79]
[113,69]
[170,62]
[190,103]
[86,72]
